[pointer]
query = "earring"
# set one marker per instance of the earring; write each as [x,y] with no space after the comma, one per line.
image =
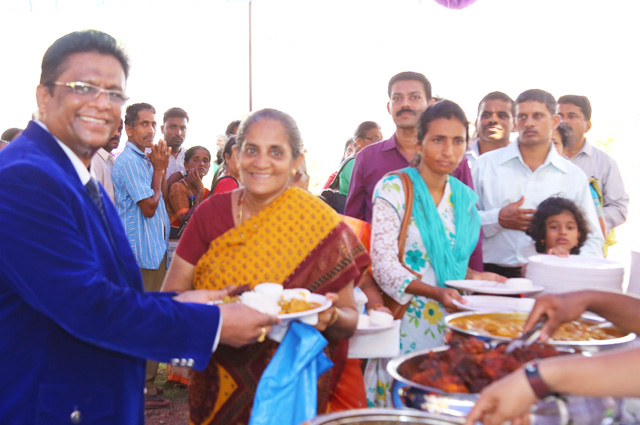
[293,173]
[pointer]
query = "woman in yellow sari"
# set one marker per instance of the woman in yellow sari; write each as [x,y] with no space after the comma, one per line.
[266,232]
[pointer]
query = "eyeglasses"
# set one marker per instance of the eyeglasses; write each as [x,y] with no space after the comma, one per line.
[91,92]
[373,139]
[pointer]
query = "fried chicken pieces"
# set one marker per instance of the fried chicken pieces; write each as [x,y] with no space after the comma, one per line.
[469,365]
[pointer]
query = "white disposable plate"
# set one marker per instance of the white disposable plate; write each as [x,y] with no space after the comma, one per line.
[495,303]
[309,317]
[537,276]
[576,261]
[314,298]
[373,328]
[492,287]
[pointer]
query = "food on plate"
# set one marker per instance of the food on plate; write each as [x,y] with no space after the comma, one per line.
[234,294]
[469,364]
[509,325]
[260,302]
[295,305]
[288,301]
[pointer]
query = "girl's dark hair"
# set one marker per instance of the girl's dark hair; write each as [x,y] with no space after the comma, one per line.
[192,151]
[442,109]
[228,147]
[553,206]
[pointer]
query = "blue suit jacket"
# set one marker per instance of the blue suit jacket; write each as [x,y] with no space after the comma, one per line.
[75,323]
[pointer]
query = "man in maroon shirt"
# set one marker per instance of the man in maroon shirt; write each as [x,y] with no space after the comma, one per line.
[409,96]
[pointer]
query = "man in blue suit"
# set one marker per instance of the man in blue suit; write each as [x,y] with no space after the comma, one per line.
[75,322]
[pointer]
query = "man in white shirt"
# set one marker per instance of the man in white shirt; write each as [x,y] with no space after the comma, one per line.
[599,167]
[174,131]
[494,125]
[102,162]
[511,182]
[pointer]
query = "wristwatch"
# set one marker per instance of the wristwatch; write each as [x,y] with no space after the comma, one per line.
[539,387]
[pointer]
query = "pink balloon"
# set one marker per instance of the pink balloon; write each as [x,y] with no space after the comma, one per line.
[455,4]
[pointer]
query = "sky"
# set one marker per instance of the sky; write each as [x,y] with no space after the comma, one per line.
[327,63]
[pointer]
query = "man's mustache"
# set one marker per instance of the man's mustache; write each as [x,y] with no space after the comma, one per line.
[402,111]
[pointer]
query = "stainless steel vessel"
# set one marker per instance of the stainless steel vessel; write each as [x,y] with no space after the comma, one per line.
[384,417]
[562,410]
[589,346]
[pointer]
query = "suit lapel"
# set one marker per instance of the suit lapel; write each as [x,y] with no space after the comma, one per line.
[52,150]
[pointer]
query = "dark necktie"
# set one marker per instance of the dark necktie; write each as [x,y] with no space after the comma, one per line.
[96,196]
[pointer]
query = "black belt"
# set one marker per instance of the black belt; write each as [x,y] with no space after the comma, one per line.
[503,271]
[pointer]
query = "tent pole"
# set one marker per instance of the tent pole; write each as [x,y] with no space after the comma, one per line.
[250,64]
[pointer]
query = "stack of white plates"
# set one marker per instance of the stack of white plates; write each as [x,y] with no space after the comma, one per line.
[558,274]
[634,273]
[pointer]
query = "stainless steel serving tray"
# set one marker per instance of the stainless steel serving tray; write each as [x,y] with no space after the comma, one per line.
[590,346]
[384,417]
[564,410]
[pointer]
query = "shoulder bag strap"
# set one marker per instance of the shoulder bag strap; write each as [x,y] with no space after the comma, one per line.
[396,308]
[335,184]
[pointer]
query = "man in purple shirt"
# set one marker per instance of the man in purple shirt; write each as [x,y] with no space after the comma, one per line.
[409,96]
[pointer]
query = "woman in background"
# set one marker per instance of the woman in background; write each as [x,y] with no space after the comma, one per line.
[228,179]
[366,134]
[186,194]
[442,233]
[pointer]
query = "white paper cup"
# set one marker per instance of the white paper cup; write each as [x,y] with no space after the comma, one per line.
[363,321]
[519,283]
[296,293]
[279,331]
[380,318]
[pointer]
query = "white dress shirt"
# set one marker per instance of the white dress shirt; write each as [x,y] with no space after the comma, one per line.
[600,166]
[102,166]
[472,154]
[176,164]
[501,177]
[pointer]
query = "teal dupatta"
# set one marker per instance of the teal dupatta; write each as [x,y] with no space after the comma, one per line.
[449,261]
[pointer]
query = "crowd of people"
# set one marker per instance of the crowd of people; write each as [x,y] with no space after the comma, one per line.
[88,293]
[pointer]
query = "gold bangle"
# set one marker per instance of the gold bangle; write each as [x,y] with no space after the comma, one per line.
[334,317]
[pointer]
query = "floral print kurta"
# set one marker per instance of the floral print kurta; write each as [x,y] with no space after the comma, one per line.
[422,326]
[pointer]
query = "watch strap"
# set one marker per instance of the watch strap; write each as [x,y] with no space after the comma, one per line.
[538,385]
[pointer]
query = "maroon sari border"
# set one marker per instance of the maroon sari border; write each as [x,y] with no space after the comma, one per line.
[351,260]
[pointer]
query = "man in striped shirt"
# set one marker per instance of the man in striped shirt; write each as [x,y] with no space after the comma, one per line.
[140,186]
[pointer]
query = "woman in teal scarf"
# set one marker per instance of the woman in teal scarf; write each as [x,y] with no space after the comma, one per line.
[442,233]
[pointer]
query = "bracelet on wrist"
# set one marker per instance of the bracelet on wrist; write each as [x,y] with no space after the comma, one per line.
[538,385]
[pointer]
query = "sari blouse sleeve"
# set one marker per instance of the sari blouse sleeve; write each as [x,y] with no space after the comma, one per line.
[388,210]
[179,198]
[211,219]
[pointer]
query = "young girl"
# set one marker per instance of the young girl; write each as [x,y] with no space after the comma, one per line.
[558,227]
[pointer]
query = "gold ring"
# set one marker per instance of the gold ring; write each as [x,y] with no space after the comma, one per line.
[263,334]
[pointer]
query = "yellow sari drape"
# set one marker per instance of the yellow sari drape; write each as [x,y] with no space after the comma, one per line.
[297,241]
[269,246]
